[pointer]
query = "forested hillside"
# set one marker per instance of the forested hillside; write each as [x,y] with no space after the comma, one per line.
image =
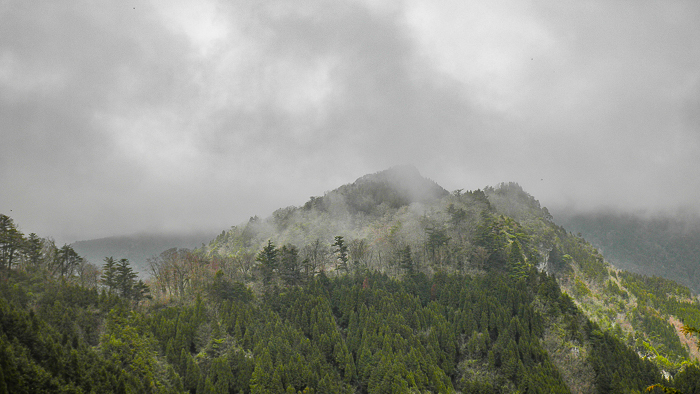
[387,285]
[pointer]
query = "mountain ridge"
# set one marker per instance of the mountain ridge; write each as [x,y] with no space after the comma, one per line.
[390,281]
[138,248]
[501,227]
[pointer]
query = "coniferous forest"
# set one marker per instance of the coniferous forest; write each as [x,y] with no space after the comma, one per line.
[387,285]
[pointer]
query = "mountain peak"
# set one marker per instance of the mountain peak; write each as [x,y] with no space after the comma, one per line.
[407,181]
[405,171]
[393,188]
[404,184]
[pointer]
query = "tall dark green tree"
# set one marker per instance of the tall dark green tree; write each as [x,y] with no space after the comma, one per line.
[435,245]
[125,278]
[66,261]
[290,266]
[269,263]
[555,259]
[516,261]
[342,251]
[33,251]
[140,291]
[405,260]
[489,235]
[109,274]
[11,242]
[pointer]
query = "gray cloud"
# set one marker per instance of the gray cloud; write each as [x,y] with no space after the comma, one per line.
[137,116]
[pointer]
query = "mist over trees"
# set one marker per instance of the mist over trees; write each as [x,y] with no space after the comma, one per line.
[387,285]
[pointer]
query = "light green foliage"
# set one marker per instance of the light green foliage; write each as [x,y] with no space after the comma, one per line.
[580,288]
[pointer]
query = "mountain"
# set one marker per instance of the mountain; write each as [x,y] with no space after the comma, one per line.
[137,248]
[663,245]
[393,188]
[389,284]
[500,228]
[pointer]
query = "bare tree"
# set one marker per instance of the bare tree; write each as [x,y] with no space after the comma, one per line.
[360,253]
[175,270]
[315,256]
[88,274]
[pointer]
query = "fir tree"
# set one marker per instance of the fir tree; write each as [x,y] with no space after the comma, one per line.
[342,251]
[268,262]
[109,274]
[124,278]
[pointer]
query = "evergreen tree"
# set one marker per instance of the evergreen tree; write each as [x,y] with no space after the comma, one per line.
[555,259]
[268,262]
[262,382]
[290,267]
[435,244]
[33,251]
[11,242]
[516,261]
[192,374]
[125,278]
[141,291]
[405,260]
[66,261]
[342,251]
[109,274]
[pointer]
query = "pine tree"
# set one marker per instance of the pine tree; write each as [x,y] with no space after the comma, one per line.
[221,375]
[109,274]
[261,382]
[193,374]
[11,242]
[141,291]
[33,251]
[555,259]
[342,252]
[405,259]
[268,262]
[124,278]
[290,268]
[66,261]
[3,384]
[516,261]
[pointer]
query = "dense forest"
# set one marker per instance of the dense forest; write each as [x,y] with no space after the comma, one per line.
[387,285]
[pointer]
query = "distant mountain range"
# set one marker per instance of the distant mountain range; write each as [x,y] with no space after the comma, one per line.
[662,245]
[138,247]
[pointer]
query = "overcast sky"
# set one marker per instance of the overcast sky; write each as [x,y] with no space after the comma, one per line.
[126,116]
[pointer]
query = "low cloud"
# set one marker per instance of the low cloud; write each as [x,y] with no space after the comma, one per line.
[150,116]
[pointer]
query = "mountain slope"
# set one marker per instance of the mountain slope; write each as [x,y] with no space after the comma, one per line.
[501,229]
[666,246]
